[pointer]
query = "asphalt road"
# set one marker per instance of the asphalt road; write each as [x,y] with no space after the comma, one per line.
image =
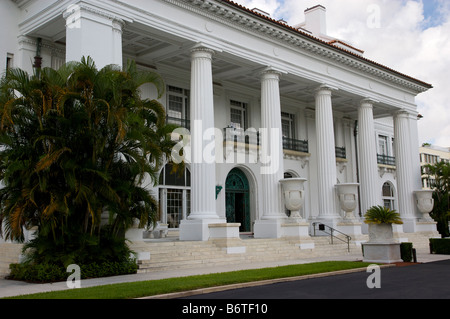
[419,281]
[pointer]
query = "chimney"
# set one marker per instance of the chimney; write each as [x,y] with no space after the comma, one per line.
[315,20]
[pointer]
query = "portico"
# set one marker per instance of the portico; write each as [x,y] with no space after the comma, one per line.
[304,96]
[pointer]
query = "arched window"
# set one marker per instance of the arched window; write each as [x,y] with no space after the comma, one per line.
[174,196]
[388,195]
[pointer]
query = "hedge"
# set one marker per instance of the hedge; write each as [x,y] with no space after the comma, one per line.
[45,273]
[440,246]
[406,252]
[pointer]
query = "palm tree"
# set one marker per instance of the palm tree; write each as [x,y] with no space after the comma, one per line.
[77,144]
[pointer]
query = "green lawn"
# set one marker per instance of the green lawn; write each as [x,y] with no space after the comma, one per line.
[162,286]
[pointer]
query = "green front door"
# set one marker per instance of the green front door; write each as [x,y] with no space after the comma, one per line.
[238,199]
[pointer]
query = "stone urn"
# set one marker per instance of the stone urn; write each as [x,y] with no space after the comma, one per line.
[425,202]
[348,198]
[293,191]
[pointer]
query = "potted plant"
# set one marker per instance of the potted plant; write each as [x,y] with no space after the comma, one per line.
[381,246]
[380,220]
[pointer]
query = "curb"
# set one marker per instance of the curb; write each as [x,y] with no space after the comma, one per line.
[208,290]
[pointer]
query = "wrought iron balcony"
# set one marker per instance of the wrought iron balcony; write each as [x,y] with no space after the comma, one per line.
[179,122]
[239,135]
[295,145]
[386,160]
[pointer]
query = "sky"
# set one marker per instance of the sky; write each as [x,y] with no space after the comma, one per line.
[409,36]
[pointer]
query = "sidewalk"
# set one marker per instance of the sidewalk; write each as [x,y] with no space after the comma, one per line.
[10,288]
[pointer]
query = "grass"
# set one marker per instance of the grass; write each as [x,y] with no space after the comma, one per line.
[162,286]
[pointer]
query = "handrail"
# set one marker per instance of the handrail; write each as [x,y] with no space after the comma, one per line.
[332,230]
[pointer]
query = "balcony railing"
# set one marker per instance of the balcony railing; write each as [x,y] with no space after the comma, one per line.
[238,135]
[386,160]
[178,121]
[341,152]
[295,145]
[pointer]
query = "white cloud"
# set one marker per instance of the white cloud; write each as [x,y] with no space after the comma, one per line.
[408,39]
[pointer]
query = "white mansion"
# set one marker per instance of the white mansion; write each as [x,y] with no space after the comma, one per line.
[286,102]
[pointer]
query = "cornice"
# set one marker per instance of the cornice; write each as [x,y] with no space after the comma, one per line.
[246,20]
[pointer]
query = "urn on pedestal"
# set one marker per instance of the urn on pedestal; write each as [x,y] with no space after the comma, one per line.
[425,203]
[293,191]
[348,199]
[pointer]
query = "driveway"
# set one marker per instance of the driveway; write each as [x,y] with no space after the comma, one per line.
[417,281]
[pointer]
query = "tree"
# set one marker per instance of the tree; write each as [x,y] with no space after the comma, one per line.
[76,145]
[441,209]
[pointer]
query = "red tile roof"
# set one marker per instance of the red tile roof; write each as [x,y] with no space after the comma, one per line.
[329,44]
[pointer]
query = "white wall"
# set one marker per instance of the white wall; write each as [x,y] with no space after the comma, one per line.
[9,16]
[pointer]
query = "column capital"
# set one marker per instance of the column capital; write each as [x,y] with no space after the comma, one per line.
[325,89]
[271,73]
[404,113]
[202,52]
[368,101]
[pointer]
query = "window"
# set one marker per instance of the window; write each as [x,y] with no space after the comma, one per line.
[287,125]
[238,114]
[383,145]
[388,195]
[178,106]
[174,196]
[9,61]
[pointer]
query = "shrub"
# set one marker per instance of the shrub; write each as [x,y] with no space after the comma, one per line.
[406,251]
[42,273]
[440,246]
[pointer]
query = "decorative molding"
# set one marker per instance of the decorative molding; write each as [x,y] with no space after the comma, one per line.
[292,37]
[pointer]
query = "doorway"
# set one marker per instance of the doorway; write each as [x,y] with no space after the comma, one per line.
[237,200]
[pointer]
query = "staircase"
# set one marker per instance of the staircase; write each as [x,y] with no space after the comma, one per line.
[182,255]
[9,254]
[170,253]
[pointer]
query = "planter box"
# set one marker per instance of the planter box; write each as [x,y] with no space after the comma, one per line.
[385,253]
[381,233]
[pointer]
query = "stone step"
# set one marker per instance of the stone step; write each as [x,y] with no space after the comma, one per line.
[255,250]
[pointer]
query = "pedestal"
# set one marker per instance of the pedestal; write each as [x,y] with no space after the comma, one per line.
[427,227]
[295,229]
[349,227]
[269,228]
[226,237]
[197,229]
[134,234]
[298,231]
[386,253]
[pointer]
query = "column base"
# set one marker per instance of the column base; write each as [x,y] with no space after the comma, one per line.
[197,229]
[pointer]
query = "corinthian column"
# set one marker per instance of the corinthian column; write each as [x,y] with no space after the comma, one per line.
[326,153]
[402,143]
[370,193]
